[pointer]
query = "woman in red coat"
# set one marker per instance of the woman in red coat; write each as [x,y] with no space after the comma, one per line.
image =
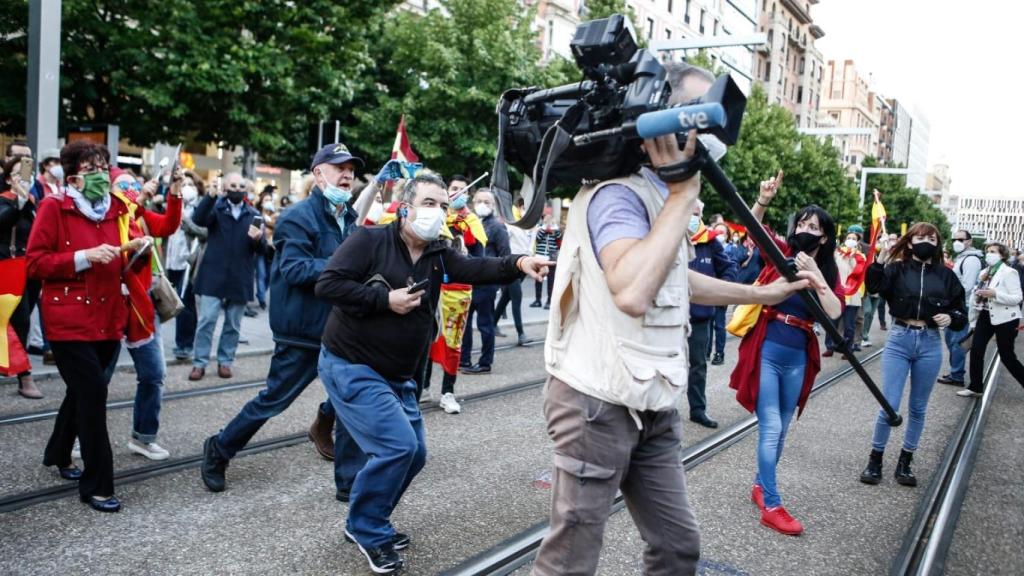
[75,250]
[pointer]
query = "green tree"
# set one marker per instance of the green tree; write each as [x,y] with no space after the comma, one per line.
[769,142]
[242,72]
[903,205]
[445,71]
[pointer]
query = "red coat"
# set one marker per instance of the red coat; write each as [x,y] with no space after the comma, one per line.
[86,306]
[746,376]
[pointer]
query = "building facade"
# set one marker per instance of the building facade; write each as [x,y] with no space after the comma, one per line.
[917,159]
[849,102]
[937,188]
[902,128]
[995,219]
[789,66]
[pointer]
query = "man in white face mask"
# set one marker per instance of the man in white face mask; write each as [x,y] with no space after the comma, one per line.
[484,296]
[967,266]
[384,283]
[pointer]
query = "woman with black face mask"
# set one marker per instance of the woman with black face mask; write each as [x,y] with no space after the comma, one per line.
[778,357]
[923,296]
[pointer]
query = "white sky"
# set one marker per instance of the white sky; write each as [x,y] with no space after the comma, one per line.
[958,62]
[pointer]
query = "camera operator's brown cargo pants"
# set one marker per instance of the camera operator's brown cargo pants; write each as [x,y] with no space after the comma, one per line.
[599,450]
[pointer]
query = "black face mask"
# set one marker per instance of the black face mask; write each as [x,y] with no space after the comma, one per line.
[924,250]
[235,196]
[806,242]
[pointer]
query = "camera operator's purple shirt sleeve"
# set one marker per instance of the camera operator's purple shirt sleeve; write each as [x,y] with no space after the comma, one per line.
[616,212]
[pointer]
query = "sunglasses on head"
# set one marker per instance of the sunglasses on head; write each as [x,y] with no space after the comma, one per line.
[126,186]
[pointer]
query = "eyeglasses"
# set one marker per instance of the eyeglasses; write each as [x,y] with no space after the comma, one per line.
[126,186]
[234,186]
[89,168]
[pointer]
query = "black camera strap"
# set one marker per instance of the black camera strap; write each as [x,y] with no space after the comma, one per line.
[684,170]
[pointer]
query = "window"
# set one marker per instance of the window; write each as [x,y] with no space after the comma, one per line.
[669,6]
[715,29]
[701,26]
[668,34]
[650,28]
[686,15]
[800,95]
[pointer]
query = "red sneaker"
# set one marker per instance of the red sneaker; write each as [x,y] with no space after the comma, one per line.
[779,520]
[827,353]
[757,496]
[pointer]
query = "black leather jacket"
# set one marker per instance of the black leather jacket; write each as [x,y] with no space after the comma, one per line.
[16,221]
[918,291]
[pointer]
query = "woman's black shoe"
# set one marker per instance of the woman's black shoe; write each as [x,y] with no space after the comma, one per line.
[111,504]
[873,473]
[72,473]
[903,473]
[536,304]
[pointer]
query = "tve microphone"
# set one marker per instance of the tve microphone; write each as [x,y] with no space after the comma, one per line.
[680,119]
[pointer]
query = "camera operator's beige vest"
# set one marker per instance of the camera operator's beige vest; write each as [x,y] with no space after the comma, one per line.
[601,351]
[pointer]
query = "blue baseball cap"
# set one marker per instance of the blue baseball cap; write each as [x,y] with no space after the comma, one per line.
[336,153]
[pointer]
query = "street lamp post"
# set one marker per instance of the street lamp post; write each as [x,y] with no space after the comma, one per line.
[43,73]
[864,177]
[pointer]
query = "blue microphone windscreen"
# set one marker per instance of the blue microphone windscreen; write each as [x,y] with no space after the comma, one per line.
[680,119]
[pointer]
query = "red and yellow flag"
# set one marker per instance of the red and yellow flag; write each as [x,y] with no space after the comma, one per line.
[877,225]
[455,301]
[13,359]
[402,150]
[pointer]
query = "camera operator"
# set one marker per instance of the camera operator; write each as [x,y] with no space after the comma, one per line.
[616,356]
[384,283]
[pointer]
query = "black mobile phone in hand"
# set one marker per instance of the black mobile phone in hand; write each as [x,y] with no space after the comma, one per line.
[419,286]
[257,221]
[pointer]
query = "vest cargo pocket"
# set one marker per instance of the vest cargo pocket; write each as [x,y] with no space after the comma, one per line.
[645,363]
[667,309]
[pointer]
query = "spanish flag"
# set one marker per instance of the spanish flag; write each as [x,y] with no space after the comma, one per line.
[447,349]
[13,359]
[402,150]
[877,225]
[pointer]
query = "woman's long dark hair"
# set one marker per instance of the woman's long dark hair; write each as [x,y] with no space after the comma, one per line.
[826,256]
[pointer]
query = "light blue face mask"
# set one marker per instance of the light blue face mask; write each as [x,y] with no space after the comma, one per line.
[460,202]
[694,223]
[336,196]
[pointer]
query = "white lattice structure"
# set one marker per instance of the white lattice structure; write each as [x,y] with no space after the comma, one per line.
[995,219]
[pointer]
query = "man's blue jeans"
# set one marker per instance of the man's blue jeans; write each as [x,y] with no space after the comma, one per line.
[483,309]
[782,379]
[292,368]
[185,321]
[919,354]
[209,311]
[262,278]
[957,355]
[719,330]
[385,420]
[150,371]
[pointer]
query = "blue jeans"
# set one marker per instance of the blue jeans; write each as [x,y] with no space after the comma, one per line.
[291,370]
[782,379]
[847,328]
[719,330]
[483,309]
[150,370]
[957,355]
[185,321]
[914,352]
[209,311]
[262,279]
[385,420]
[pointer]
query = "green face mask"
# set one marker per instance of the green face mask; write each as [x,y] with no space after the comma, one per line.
[96,186]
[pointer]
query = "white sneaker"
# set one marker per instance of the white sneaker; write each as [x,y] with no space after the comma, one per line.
[76,450]
[968,393]
[449,404]
[865,343]
[152,450]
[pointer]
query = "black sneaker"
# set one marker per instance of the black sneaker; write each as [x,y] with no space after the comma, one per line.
[536,304]
[400,541]
[213,467]
[719,359]
[342,495]
[477,369]
[703,420]
[383,560]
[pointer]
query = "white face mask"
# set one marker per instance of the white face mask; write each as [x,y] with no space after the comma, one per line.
[850,243]
[482,210]
[56,171]
[958,246]
[189,193]
[427,224]
[376,211]
[269,206]
[993,259]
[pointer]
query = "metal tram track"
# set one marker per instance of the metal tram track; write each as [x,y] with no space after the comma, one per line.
[518,550]
[926,543]
[56,492]
[26,417]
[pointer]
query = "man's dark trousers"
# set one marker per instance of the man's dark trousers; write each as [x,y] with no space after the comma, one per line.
[483,308]
[700,336]
[292,368]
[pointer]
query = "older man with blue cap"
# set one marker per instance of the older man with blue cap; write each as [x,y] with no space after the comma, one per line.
[305,237]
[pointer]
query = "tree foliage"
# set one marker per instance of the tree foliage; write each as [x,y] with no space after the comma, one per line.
[769,142]
[445,71]
[903,205]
